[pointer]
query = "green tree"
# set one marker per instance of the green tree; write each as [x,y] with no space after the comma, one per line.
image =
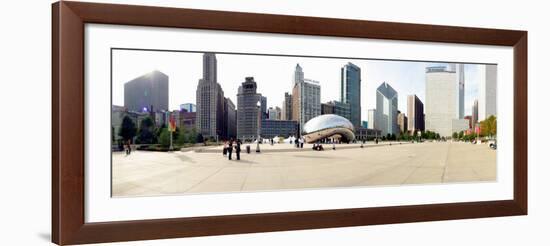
[430,135]
[461,135]
[455,135]
[164,138]
[405,136]
[489,126]
[127,129]
[182,135]
[193,136]
[146,133]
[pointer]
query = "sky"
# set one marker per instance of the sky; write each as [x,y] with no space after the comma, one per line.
[274,76]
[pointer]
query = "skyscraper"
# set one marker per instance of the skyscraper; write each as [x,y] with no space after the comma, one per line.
[327,108]
[441,100]
[306,98]
[287,107]
[249,115]
[279,113]
[487,91]
[459,70]
[272,113]
[415,111]
[147,93]
[386,110]
[230,119]
[371,119]
[460,75]
[337,108]
[263,102]
[402,122]
[210,67]
[298,74]
[475,113]
[210,100]
[350,91]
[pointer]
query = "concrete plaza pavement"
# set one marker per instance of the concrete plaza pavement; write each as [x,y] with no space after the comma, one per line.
[282,166]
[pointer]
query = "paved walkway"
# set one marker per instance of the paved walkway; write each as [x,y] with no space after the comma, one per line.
[161,173]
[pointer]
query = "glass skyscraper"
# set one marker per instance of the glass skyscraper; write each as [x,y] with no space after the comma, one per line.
[350,91]
[415,112]
[147,93]
[386,110]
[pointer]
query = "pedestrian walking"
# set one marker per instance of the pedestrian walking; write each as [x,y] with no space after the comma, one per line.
[128,147]
[297,143]
[301,142]
[225,146]
[238,149]
[230,148]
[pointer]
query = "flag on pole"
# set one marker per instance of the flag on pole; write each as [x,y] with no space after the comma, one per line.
[172,124]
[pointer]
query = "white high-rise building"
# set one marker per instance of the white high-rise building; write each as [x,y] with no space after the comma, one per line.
[386,110]
[441,100]
[487,104]
[306,98]
[371,116]
[459,70]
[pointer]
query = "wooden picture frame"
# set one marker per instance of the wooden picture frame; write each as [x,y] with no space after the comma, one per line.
[68,223]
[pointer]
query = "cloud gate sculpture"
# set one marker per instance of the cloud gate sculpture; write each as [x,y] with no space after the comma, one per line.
[328,126]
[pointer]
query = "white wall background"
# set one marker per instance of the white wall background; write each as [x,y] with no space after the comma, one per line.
[25,122]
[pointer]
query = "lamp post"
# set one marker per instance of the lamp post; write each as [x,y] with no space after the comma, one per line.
[259,105]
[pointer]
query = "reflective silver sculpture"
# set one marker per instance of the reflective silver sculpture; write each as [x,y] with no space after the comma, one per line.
[328,126]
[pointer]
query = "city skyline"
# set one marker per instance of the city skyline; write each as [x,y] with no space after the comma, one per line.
[185,69]
[317,118]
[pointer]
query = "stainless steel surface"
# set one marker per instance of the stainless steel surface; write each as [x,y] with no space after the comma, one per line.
[328,126]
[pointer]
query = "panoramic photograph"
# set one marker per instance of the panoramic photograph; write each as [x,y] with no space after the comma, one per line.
[196,122]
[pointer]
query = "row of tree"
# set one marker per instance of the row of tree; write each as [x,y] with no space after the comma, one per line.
[488,128]
[407,136]
[149,133]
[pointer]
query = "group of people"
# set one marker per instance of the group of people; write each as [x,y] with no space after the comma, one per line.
[318,147]
[299,142]
[228,148]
